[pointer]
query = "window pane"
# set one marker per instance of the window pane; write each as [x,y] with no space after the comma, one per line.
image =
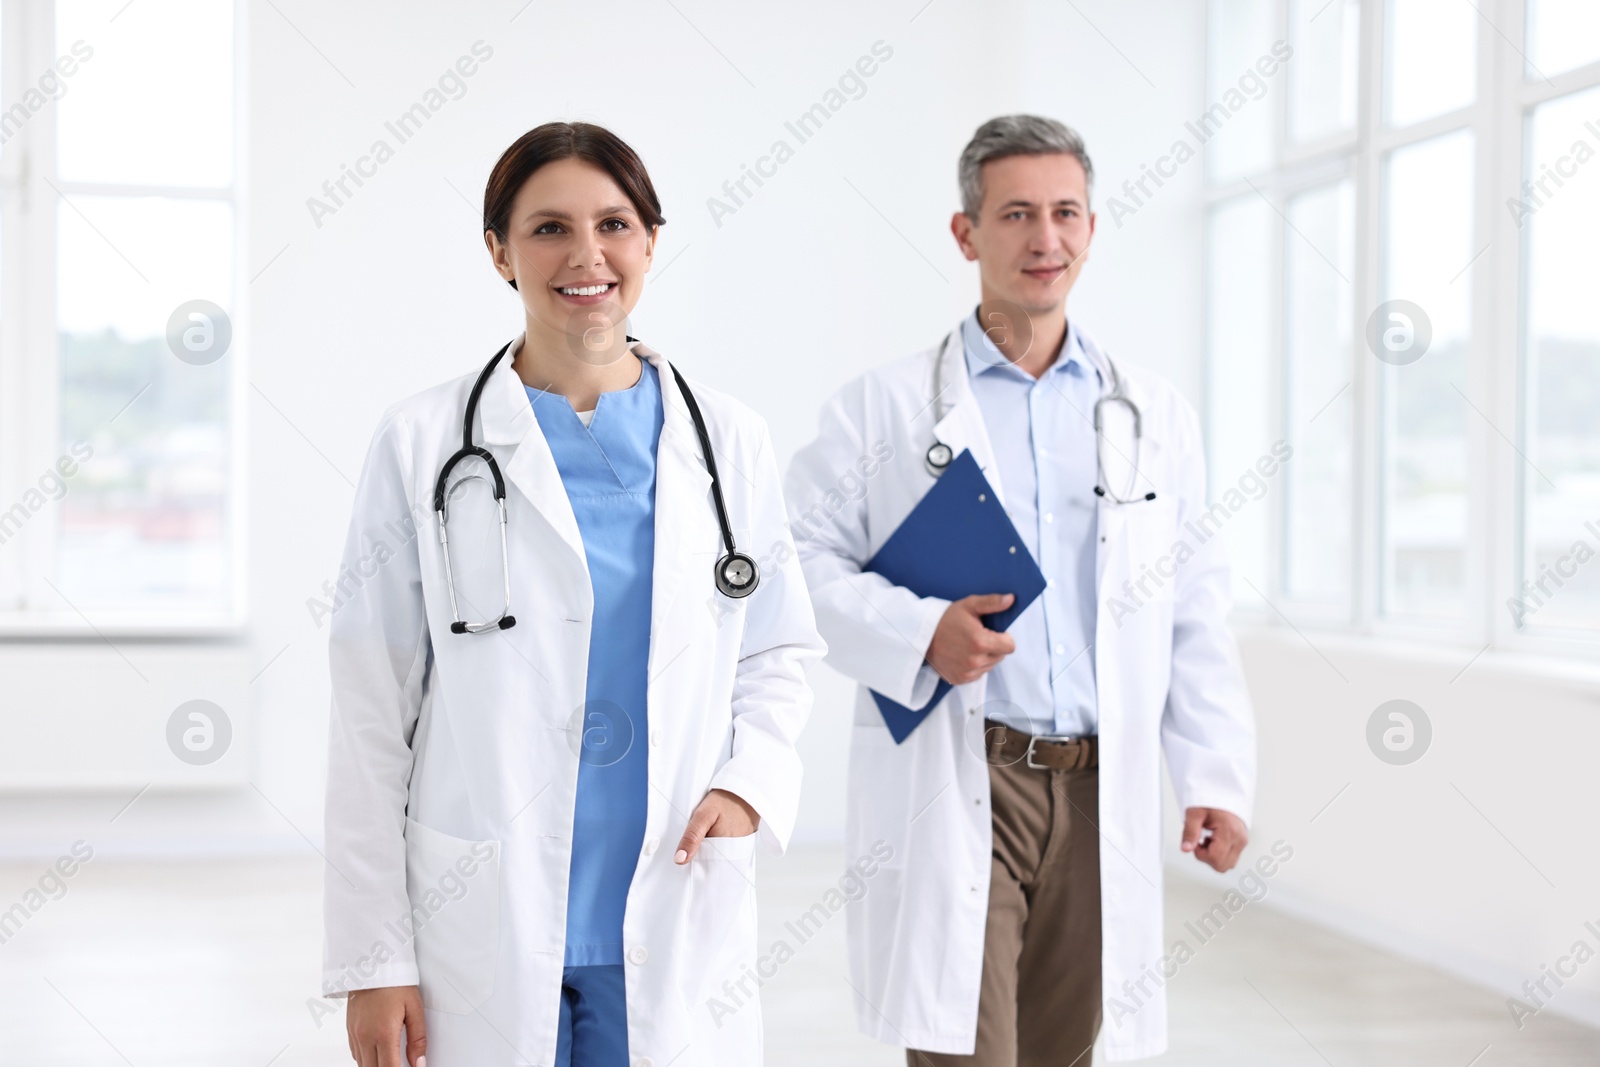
[1239,399]
[1237,123]
[1319,262]
[1562,34]
[154,102]
[1562,389]
[1432,58]
[1427,247]
[1322,75]
[146,524]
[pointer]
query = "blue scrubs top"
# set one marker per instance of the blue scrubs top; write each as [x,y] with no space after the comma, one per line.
[609,471]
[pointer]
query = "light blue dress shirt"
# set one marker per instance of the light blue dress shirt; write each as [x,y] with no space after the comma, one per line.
[609,471]
[1042,432]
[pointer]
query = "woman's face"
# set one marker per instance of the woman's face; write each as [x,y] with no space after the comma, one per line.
[577,250]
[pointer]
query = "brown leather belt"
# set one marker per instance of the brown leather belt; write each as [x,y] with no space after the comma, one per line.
[1005,746]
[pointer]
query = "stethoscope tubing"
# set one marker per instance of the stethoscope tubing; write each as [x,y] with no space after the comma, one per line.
[939,455]
[736,574]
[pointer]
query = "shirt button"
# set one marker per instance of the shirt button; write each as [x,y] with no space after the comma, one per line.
[638,954]
[1061,650]
[650,846]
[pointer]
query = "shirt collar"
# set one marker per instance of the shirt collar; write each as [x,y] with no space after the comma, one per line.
[983,357]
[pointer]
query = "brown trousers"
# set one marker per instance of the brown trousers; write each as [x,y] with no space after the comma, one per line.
[1039,1002]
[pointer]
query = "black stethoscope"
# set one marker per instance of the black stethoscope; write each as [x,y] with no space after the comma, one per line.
[735,573]
[939,454]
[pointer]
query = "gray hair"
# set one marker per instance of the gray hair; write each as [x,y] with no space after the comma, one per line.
[1016,135]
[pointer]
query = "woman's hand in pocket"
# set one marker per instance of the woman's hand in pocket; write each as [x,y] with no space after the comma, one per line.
[373,1019]
[720,814]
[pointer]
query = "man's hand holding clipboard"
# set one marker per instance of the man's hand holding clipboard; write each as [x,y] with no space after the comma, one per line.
[958,544]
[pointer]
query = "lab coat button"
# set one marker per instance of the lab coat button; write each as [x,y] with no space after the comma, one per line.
[655,737]
[650,846]
[638,954]
[645,1061]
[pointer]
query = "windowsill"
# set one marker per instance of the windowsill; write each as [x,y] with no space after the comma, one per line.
[1578,670]
[72,629]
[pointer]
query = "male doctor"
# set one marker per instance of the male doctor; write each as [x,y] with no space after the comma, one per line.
[1024,812]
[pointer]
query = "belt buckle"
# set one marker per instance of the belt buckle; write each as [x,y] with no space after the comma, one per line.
[1034,739]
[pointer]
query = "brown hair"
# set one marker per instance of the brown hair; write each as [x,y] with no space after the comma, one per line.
[567,140]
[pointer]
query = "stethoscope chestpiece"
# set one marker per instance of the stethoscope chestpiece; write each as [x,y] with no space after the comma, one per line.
[736,575]
[937,458]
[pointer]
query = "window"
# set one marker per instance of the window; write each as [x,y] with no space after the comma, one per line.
[121,379]
[1426,244]
[1431,52]
[1560,486]
[1317,347]
[1400,287]
[1322,80]
[1239,289]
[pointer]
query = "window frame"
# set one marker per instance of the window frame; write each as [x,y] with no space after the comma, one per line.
[30,351]
[1498,120]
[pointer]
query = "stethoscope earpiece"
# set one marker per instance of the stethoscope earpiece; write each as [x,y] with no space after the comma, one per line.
[1100,491]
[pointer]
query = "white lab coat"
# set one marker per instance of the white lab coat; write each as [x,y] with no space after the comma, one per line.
[453,759]
[1168,681]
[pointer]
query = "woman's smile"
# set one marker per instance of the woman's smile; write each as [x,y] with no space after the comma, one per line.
[582,293]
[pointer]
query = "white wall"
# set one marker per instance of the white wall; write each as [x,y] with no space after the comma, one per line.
[1477,858]
[840,261]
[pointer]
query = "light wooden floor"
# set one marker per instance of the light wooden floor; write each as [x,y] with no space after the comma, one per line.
[213,962]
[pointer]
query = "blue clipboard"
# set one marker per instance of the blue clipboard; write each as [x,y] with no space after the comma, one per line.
[957,542]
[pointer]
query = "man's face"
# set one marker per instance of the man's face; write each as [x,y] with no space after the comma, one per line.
[1032,232]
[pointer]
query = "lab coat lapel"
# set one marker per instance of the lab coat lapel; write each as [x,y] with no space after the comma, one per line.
[962,426]
[507,419]
[684,510]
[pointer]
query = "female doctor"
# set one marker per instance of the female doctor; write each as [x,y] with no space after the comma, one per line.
[552,756]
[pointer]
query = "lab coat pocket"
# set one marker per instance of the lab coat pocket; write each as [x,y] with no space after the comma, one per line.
[454,887]
[719,919]
[1154,551]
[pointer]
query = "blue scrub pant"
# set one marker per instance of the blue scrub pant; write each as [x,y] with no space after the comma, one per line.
[594,1017]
